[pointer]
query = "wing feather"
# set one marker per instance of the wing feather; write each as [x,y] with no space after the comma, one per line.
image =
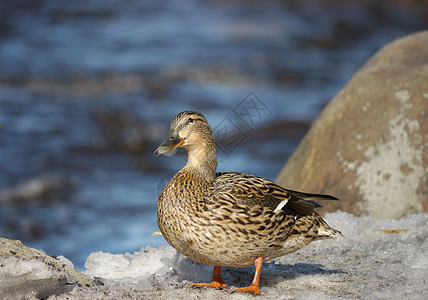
[251,190]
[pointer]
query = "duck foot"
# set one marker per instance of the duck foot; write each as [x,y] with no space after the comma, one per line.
[252,289]
[216,283]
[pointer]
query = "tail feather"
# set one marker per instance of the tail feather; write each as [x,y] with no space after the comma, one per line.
[325,231]
[305,203]
[308,196]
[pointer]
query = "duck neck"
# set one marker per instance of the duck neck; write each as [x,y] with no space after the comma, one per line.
[202,159]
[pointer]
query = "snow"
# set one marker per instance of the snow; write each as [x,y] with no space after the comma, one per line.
[31,278]
[377,259]
[66,261]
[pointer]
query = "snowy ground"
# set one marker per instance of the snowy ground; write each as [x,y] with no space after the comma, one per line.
[378,259]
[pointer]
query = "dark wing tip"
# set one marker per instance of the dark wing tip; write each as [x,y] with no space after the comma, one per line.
[308,196]
[315,203]
[303,203]
[301,207]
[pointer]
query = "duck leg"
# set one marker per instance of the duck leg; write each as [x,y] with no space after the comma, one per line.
[216,283]
[254,287]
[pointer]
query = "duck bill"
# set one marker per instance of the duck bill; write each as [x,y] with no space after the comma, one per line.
[169,145]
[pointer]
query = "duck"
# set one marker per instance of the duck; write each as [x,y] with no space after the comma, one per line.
[230,219]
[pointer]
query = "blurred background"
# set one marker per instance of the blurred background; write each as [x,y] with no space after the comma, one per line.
[88,90]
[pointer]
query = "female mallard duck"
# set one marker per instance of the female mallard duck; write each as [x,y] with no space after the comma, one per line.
[230,219]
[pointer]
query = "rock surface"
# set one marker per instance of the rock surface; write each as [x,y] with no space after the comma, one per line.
[369,147]
[27,272]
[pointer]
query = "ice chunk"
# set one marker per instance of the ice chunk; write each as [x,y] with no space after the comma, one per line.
[66,261]
[141,265]
[23,278]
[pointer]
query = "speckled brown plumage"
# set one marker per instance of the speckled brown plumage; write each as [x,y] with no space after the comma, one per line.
[230,219]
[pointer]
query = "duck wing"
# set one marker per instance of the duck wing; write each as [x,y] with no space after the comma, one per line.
[250,190]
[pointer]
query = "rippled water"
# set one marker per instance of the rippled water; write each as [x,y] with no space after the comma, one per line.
[88,88]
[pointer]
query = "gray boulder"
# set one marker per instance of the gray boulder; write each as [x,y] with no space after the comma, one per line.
[369,147]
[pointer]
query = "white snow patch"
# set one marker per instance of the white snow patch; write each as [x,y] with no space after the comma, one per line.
[130,267]
[13,268]
[31,279]
[66,261]
[142,265]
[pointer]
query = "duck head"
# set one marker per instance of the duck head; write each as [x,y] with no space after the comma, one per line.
[190,130]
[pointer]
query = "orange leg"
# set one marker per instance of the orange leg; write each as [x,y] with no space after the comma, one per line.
[254,287]
[216,283]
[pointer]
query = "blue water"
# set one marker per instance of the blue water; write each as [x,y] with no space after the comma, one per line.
[80,79]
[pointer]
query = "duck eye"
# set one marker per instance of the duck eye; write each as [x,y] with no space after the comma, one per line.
[189,120]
